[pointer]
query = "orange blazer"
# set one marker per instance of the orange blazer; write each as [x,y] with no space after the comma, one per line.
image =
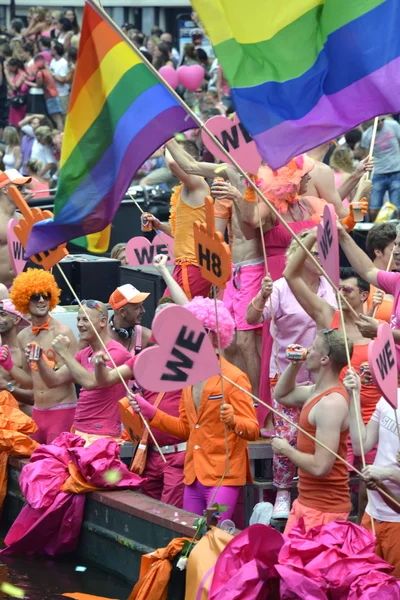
[204,431]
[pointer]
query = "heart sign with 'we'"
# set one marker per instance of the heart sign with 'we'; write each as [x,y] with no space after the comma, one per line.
[15,248]
[383,365]
[328,244]
[140,252]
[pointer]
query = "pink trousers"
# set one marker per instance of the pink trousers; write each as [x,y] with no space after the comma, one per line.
[197,497]
[164,480]
[51,422]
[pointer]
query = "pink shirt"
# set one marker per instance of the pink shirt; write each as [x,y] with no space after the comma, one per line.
[292,324]
[390,283]
[169,404]
[97,411]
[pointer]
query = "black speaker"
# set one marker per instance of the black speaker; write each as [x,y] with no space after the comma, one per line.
[94,278]
[145,279]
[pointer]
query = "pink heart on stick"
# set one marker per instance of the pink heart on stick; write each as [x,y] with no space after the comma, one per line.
[235,138]
[383,364]
[170,76]
[15,248]
[140,252]
[328,244]
[184,355]
[191,77]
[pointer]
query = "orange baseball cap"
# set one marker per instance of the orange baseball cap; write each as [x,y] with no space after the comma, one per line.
[126,294]
[13,176]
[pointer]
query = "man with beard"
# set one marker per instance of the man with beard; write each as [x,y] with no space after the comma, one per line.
[36,293]
[125,324]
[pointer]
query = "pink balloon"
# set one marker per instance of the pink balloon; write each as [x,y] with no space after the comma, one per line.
[170,76]
[191,77]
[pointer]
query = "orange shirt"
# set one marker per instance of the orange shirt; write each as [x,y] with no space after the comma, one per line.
[384,311]
[182,217]
[330,493]
[204,431]
[369,395]
[223,210]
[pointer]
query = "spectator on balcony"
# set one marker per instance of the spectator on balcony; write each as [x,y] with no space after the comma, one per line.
[70,14]
[37,23]
[12,158]
[39,186]
[45,80]
[65,32]
[59,70]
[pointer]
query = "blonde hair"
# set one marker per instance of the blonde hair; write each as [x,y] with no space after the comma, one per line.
[10,135]
[294,245]
[41,12]
[342,160]
[116,251]
[45,133]
[34,165]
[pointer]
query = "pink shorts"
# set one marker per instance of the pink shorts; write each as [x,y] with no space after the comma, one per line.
[311,516]
[356,461]
[52,421]
[240,290]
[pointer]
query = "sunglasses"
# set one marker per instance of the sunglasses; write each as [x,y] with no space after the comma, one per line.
[327,332]
[93,304]
[36,297]
[346,288]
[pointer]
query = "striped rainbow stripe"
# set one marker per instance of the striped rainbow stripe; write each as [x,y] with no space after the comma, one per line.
[305,71]
[119,114]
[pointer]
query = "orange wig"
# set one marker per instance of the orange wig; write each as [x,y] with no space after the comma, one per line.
[33,281]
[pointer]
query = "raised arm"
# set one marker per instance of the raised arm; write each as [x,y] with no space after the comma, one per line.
[78,374]
[317,308]
[287,392]
[364,166]
[360,262]
[369,433]
[177,293]
[53,379]
[191,166]
[330,414]
[192,182]
[21,375]
[255,310]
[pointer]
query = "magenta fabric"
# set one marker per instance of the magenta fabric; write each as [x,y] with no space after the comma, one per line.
[337,558]
[197,497]
[97,411]
[245,568]
[51,520]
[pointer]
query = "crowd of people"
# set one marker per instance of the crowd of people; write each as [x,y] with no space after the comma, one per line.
[267,305]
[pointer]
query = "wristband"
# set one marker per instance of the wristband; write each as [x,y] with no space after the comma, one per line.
[260,310]
[7,363]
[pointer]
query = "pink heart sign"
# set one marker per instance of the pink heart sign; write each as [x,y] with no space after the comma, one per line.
[328,243]
[184,355]
[140,252]
[15,248]
[383,365]
[234,138]
[191,77]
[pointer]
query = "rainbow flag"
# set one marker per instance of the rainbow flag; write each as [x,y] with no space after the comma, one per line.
[303,72]
[118,115]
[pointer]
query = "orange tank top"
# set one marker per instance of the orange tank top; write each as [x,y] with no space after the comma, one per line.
[369,394]
[330,493]
[182,217]
[384,311]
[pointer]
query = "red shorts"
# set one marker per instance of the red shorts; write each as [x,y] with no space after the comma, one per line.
[387,544]
[52,421]
[164,480]
[190,280]
[311,516]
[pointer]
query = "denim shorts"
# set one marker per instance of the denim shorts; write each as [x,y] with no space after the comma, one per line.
[54,105]
[388,182]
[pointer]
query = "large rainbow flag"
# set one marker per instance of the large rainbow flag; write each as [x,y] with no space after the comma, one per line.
[119,114]
[303,72]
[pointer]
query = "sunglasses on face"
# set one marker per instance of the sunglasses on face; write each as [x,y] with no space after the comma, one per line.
[327,332]
[37,297]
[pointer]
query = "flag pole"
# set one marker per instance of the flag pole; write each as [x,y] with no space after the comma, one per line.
[225,152]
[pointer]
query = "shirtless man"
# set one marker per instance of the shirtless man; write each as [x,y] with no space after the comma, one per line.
[124,325]
[247,258]
[187,206]
[7,212]
[10,321]
[36,292]
[322,181]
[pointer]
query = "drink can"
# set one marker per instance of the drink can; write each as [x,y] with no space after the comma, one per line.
[146,224]
[293,353]
[34,352]
[365,374]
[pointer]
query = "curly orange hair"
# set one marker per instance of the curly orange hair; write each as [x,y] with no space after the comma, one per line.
[33,281]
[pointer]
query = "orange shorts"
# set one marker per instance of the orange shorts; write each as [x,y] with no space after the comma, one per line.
[92,437]
[311,516]
[387,544]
